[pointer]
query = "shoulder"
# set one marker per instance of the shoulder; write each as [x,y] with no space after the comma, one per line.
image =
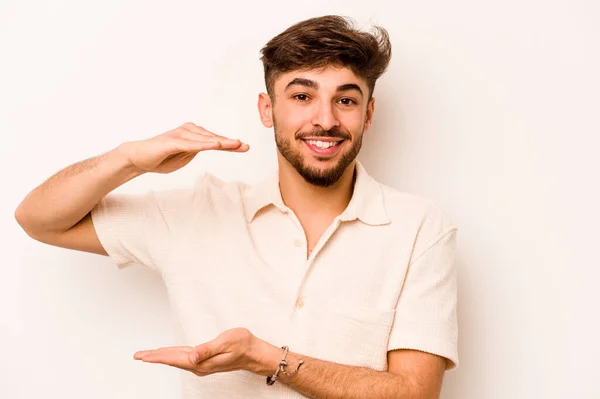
[425,216]
[210,182]
[211,190]
[402,205]
[207,187]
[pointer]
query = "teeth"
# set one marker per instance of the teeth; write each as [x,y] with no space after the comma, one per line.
[322,144]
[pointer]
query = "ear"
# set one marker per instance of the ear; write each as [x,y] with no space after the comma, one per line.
[369,116]
[265,110]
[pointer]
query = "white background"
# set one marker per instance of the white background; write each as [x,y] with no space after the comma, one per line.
[489,108]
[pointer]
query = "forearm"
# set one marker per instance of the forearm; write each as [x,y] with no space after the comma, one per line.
[68,196]
[319,379]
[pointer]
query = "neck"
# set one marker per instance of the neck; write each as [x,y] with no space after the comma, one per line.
[306,199]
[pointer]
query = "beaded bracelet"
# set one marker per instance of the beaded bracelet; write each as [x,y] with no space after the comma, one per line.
[271,380]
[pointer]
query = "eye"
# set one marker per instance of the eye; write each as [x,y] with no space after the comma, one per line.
[301,97]
[347,101]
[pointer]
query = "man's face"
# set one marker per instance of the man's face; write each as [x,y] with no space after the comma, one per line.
[319,117]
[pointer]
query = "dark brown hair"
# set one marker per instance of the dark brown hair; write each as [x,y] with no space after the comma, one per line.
[323,41]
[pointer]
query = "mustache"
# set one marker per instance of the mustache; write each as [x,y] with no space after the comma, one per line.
[332,133]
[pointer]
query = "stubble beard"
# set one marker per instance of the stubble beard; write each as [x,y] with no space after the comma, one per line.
[317,176]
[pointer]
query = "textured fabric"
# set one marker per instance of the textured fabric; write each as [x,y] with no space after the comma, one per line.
[382,276]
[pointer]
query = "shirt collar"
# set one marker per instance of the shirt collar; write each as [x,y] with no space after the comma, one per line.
[263,194]
[366,204]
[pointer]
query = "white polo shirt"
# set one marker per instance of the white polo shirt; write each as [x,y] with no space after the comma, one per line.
[382,277]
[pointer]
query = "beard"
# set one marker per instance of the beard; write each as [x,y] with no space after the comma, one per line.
[320,177]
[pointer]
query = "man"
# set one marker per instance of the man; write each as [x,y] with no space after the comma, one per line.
[318,282]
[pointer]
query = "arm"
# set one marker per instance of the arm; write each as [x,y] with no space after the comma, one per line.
[58,211]
[410,375]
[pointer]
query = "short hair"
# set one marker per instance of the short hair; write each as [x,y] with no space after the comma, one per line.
[327,41]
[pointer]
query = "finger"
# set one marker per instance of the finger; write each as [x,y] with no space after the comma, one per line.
[230,144]
[192,132]
[242,148]
[198,131]
[181,348]
[140,354]
[192,127]
[192,146]
[170,357]
[215,364]
[226,143]
[205,351]
[186,134]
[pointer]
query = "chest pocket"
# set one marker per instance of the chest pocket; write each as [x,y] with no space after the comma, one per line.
[354,335]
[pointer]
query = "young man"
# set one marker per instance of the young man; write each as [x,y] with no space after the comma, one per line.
[349,281]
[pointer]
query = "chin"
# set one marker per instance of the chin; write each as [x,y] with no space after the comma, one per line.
[322,168]
[317,162]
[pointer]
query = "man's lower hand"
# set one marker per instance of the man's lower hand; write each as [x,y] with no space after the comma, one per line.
[235,349]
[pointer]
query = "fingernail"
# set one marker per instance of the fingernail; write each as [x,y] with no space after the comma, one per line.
[194,358]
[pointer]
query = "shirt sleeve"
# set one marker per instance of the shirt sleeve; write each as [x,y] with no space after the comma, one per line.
[134,229]
[426,318]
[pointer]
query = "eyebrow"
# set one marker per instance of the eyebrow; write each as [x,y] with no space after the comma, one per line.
[311,84]
[350,86]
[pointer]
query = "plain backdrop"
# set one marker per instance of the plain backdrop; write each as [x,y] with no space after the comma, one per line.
[488,107]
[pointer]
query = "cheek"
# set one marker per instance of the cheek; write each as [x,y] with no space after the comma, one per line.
[292,118]
[354,122]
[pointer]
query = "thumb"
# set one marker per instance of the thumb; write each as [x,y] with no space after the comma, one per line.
[203,352]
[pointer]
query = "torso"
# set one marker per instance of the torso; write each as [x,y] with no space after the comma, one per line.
[223,271]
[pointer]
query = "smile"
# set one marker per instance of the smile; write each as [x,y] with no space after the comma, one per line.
[325,146]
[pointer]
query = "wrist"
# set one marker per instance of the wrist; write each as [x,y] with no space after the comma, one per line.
[264,358]
[122,160]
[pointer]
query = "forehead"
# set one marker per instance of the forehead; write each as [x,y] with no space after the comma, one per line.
[328,78]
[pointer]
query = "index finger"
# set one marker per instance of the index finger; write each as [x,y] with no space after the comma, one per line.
[204,132]
[243,147]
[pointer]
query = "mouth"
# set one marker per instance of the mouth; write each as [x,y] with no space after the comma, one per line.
[324,146]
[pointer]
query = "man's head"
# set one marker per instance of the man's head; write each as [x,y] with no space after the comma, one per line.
[320,75]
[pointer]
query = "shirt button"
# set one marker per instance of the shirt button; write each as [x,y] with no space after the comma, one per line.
[297,242]
[299,303]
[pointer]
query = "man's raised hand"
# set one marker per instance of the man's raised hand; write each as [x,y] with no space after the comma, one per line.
[174,149]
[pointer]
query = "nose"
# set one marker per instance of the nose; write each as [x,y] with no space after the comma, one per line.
[324,116]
